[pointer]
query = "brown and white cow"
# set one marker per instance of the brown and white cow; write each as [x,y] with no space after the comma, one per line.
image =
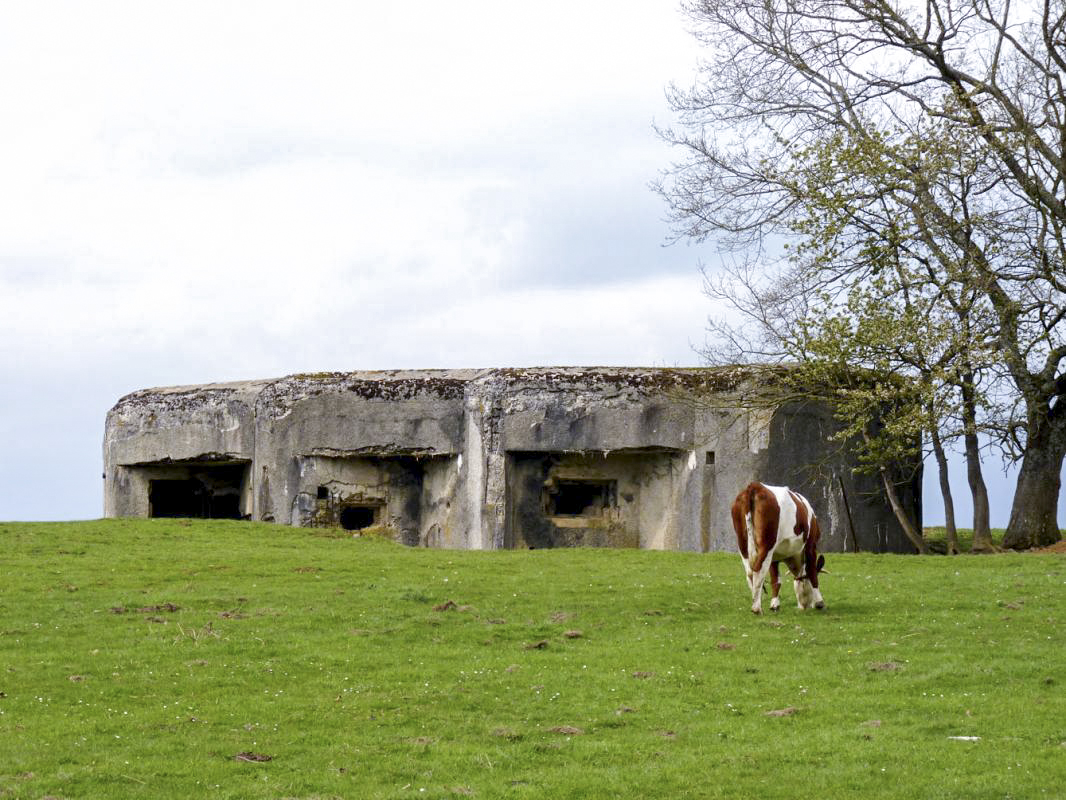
[775,524]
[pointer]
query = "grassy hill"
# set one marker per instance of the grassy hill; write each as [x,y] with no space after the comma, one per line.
[176,658]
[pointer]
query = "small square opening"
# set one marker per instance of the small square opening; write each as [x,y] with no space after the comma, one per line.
[356,518]
[323,493]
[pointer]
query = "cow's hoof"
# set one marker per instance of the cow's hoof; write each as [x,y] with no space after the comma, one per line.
[775,609]
[756,611]
[820,606]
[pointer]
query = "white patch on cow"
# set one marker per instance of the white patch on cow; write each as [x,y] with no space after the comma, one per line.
[788,543]
[818,603]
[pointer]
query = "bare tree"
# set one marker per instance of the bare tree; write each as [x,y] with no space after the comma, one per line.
[952,117]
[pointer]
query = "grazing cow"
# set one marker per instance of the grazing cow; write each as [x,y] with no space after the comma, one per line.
[775,524]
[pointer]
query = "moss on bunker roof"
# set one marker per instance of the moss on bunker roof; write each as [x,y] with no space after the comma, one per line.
[645,379]
[448,384]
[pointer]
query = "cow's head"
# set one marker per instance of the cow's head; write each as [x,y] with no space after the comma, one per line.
[807,595]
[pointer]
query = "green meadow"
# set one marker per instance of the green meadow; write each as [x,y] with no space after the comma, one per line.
[189,659]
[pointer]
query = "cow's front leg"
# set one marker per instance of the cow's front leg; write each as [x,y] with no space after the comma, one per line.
[775,587]
[814,596]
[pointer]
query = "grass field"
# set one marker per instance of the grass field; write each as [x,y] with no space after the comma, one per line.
[168,658]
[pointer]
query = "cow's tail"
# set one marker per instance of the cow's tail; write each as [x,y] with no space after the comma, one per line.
[750,517]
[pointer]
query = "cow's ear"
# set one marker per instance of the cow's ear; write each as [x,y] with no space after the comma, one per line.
[820,566]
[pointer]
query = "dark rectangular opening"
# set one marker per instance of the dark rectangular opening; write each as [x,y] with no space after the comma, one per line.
[582,498]
[356,518]
[210,492]
[176,498]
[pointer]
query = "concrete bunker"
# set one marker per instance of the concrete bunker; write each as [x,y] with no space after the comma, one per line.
[592,499]
[493,458]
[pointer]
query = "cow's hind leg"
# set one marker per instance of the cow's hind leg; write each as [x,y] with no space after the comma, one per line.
[760,568]
[748,574]
[775,587]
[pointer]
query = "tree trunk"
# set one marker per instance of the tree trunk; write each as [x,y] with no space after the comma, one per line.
[909,528]
[950,531]
[982,532]
[1034,514]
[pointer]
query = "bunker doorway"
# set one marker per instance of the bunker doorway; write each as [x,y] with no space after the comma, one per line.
[201,491]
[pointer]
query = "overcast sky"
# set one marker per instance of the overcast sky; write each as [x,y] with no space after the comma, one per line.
[211,191]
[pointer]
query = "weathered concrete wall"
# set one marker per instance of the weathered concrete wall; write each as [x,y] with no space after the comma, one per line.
[164,434]
[491,458]
[321,430]
[851,506]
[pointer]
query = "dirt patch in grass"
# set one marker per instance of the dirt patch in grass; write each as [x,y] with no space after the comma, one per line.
[567,730]
[1058,547]
[782,712]
[883,666]
[169,608]
[247,756]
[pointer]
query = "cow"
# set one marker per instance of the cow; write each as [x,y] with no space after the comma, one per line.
[776,524]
